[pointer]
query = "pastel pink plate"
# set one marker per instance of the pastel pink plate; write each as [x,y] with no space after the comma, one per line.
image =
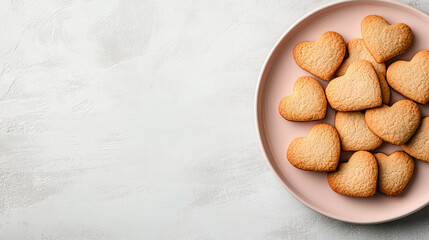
[275,133]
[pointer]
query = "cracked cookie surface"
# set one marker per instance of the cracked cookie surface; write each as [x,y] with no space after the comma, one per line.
[394,172]
[411,79]
[319,151]
[357,50]
[357,177]
[357,90]
[307,103]
[385,41]
[323,57]
[395,124]
[354,133]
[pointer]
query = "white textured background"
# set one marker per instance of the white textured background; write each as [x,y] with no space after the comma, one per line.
[134,120]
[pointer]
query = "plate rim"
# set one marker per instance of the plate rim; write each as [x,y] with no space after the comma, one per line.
[258,94]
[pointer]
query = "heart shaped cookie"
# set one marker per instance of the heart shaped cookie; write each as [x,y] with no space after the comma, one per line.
[418,146]
[357,50]
[319,151]
[383,40]
[321,58]
[357,177]
[395,124]
[358,89]
[411,79]
[394,172]
[354,133]
[307,103]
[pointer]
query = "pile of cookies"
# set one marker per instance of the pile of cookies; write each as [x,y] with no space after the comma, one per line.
[360,94]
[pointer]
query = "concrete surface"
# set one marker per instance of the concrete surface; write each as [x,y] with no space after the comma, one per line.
[134,120]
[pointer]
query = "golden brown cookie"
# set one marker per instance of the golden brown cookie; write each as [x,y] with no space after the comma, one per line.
[357,177]
[383,40]
[411,79]
[395,124]
[385,89]
[321,58]
[319,151]
[307,103]
[357,50]
[418,146]
[394,172]
[358,89]
[354,133]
